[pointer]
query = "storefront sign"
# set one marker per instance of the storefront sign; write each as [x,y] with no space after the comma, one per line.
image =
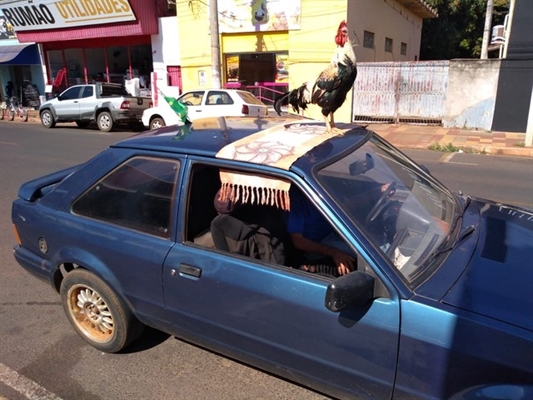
[46,14]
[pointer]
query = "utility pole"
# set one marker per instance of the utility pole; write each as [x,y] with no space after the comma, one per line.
[486,31]
[215,44]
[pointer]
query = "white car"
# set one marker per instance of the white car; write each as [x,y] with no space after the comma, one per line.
[206,103]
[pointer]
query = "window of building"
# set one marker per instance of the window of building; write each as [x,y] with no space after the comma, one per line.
[388,45]
[368,40]
[403,49]
[138,195]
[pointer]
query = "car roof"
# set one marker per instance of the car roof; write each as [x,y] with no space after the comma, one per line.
[205,137]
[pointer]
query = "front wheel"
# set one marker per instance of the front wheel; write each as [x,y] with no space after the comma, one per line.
[105,121]
[10,114]
[47,119]
[23,115]
[157,123]
[2,114]
[97,314]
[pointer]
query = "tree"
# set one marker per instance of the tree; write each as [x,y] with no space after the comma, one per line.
[458,30]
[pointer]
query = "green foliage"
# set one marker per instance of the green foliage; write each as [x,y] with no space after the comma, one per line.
[458,30]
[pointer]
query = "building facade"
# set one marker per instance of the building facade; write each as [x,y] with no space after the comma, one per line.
[89,41]
[20,67]
[276,45]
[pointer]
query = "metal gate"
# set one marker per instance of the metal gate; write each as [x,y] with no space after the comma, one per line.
[400,91]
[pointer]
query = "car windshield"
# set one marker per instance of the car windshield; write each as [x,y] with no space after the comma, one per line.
[406,215]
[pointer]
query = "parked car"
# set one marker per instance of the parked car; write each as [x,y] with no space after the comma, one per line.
[108,104]
[206,103]
[440,304]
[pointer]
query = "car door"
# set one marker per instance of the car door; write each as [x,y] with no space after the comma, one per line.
[195,103]
[86,102]
[68,106]
[275,317]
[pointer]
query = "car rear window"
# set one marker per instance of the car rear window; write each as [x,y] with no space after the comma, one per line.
[249,98]
[112,90]
[138,195]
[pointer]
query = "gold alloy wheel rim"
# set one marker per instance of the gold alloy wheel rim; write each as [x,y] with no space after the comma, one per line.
[91,313]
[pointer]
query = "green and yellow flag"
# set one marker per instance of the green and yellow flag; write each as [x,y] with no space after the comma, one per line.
[178,107]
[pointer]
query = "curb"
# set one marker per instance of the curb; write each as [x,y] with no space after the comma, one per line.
[400,137]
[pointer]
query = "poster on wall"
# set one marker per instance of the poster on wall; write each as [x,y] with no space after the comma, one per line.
[6,30]
[258,15]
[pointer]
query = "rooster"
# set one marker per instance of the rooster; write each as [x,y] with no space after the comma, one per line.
[329,90]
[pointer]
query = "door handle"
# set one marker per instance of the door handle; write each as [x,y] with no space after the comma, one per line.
[190,270]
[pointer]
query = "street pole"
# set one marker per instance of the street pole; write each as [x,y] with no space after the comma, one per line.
[486,31]
[215,44]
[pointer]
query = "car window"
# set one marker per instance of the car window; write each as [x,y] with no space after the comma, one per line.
[192,98]
[72,93]
[218,97]
[249,98]
[87,92]
[138,194]
[261,231]
[113,90]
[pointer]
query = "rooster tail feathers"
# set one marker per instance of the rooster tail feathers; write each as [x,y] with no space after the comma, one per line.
[281,101]
[298,98]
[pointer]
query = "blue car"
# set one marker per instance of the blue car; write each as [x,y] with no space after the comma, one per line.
[406,290]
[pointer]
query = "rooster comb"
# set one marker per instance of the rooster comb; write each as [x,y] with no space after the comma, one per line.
[343,24]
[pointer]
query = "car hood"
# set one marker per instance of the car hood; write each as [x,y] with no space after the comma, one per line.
[498,281]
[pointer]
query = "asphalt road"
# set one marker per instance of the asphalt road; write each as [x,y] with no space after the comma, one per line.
[42,358]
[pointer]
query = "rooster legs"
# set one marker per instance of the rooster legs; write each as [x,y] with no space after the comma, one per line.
[330,125]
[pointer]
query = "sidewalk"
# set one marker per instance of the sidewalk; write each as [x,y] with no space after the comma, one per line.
[429,136]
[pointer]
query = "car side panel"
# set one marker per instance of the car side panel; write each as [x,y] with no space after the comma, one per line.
[129,261]
[446,353]
[276,315]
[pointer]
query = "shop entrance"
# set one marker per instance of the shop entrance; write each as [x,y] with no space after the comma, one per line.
[264,74]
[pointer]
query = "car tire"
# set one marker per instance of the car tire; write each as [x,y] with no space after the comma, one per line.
[82,124]
[97,314]
[47,119]
[105,121]
[157,123]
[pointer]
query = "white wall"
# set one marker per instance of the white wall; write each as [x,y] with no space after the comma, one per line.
[166,52]
[471,93]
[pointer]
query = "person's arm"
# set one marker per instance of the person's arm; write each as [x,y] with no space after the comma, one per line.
[344,262]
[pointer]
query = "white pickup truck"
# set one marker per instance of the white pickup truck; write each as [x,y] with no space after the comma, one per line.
[106,103]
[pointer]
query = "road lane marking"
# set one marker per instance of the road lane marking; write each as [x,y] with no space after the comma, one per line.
[32,390]
[447,157]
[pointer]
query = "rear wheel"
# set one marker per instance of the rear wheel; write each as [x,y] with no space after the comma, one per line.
[2,114]
[97,314]
[82,124]
[105,121]
[157,123]
[47,119]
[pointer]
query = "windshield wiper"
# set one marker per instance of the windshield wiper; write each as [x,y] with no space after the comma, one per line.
[445,246]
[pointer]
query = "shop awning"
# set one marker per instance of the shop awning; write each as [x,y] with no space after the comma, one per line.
[19,54]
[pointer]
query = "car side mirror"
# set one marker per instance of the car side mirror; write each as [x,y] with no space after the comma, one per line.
[360,167]
[351,290]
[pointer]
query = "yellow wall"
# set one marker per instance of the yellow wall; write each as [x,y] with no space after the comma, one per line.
[310,48]
[195,42]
